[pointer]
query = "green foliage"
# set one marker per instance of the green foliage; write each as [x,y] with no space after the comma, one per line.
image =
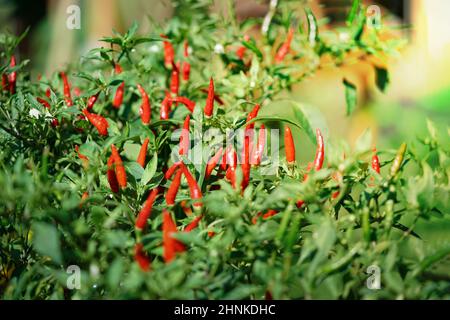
[353,218]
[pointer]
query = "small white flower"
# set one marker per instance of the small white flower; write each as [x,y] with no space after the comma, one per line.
[218,48]
[154,48]
[35,113]
[94,270]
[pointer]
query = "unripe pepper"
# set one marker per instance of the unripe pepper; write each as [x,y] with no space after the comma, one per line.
[143,153]
[170,245]
[145,109]
[141,257]
[184,137]
[375,162]
[398,160]
[100,123]
[189,104]
[120,169]
[212,163]
[194,189]
[12,78]
[285,47]
[289,145]
[67,94]
[111,176]
[144,214]
[209,107]
[173,188]
[118,97]
[92,100]
[320,151]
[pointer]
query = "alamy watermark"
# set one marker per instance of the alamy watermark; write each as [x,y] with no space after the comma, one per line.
[373,282]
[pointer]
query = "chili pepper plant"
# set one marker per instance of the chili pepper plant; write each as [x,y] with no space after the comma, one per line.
[157,167]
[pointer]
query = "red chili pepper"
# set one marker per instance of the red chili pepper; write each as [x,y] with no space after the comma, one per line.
[251,115]
[209,107]
[194,224]
[120,169]
[184,137]
[216,96]
[229,158]
[241,50]
[186,208]
[289,145]
[259,150]
[143,153]
[84,197]
[171,170]
[12,76]
[144,214]
[67,94]
[285,47]
[111,175]
[118,97]
[97,121]
[141,257]
[267,215]
[170,245]
[231,175]
[166,105]
[308,168]
[91,101]
[173,188]
[190,105]
[81,156]
[5,83]
[77,91]
[43,102]
[300,203]
[175,79]
[48,92]
[169,52]
[212,163]
[246,164]
[320,151]
[145,109]
[375,162]
[194,189]
[186,64]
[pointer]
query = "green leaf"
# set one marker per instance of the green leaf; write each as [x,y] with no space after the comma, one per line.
[353,11]
[131,151]
[150,170]
[134,169]
[46,241]
[381,78]
[350,96]
[251,45]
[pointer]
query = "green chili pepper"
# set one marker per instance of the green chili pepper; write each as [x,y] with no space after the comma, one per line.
[398,160]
